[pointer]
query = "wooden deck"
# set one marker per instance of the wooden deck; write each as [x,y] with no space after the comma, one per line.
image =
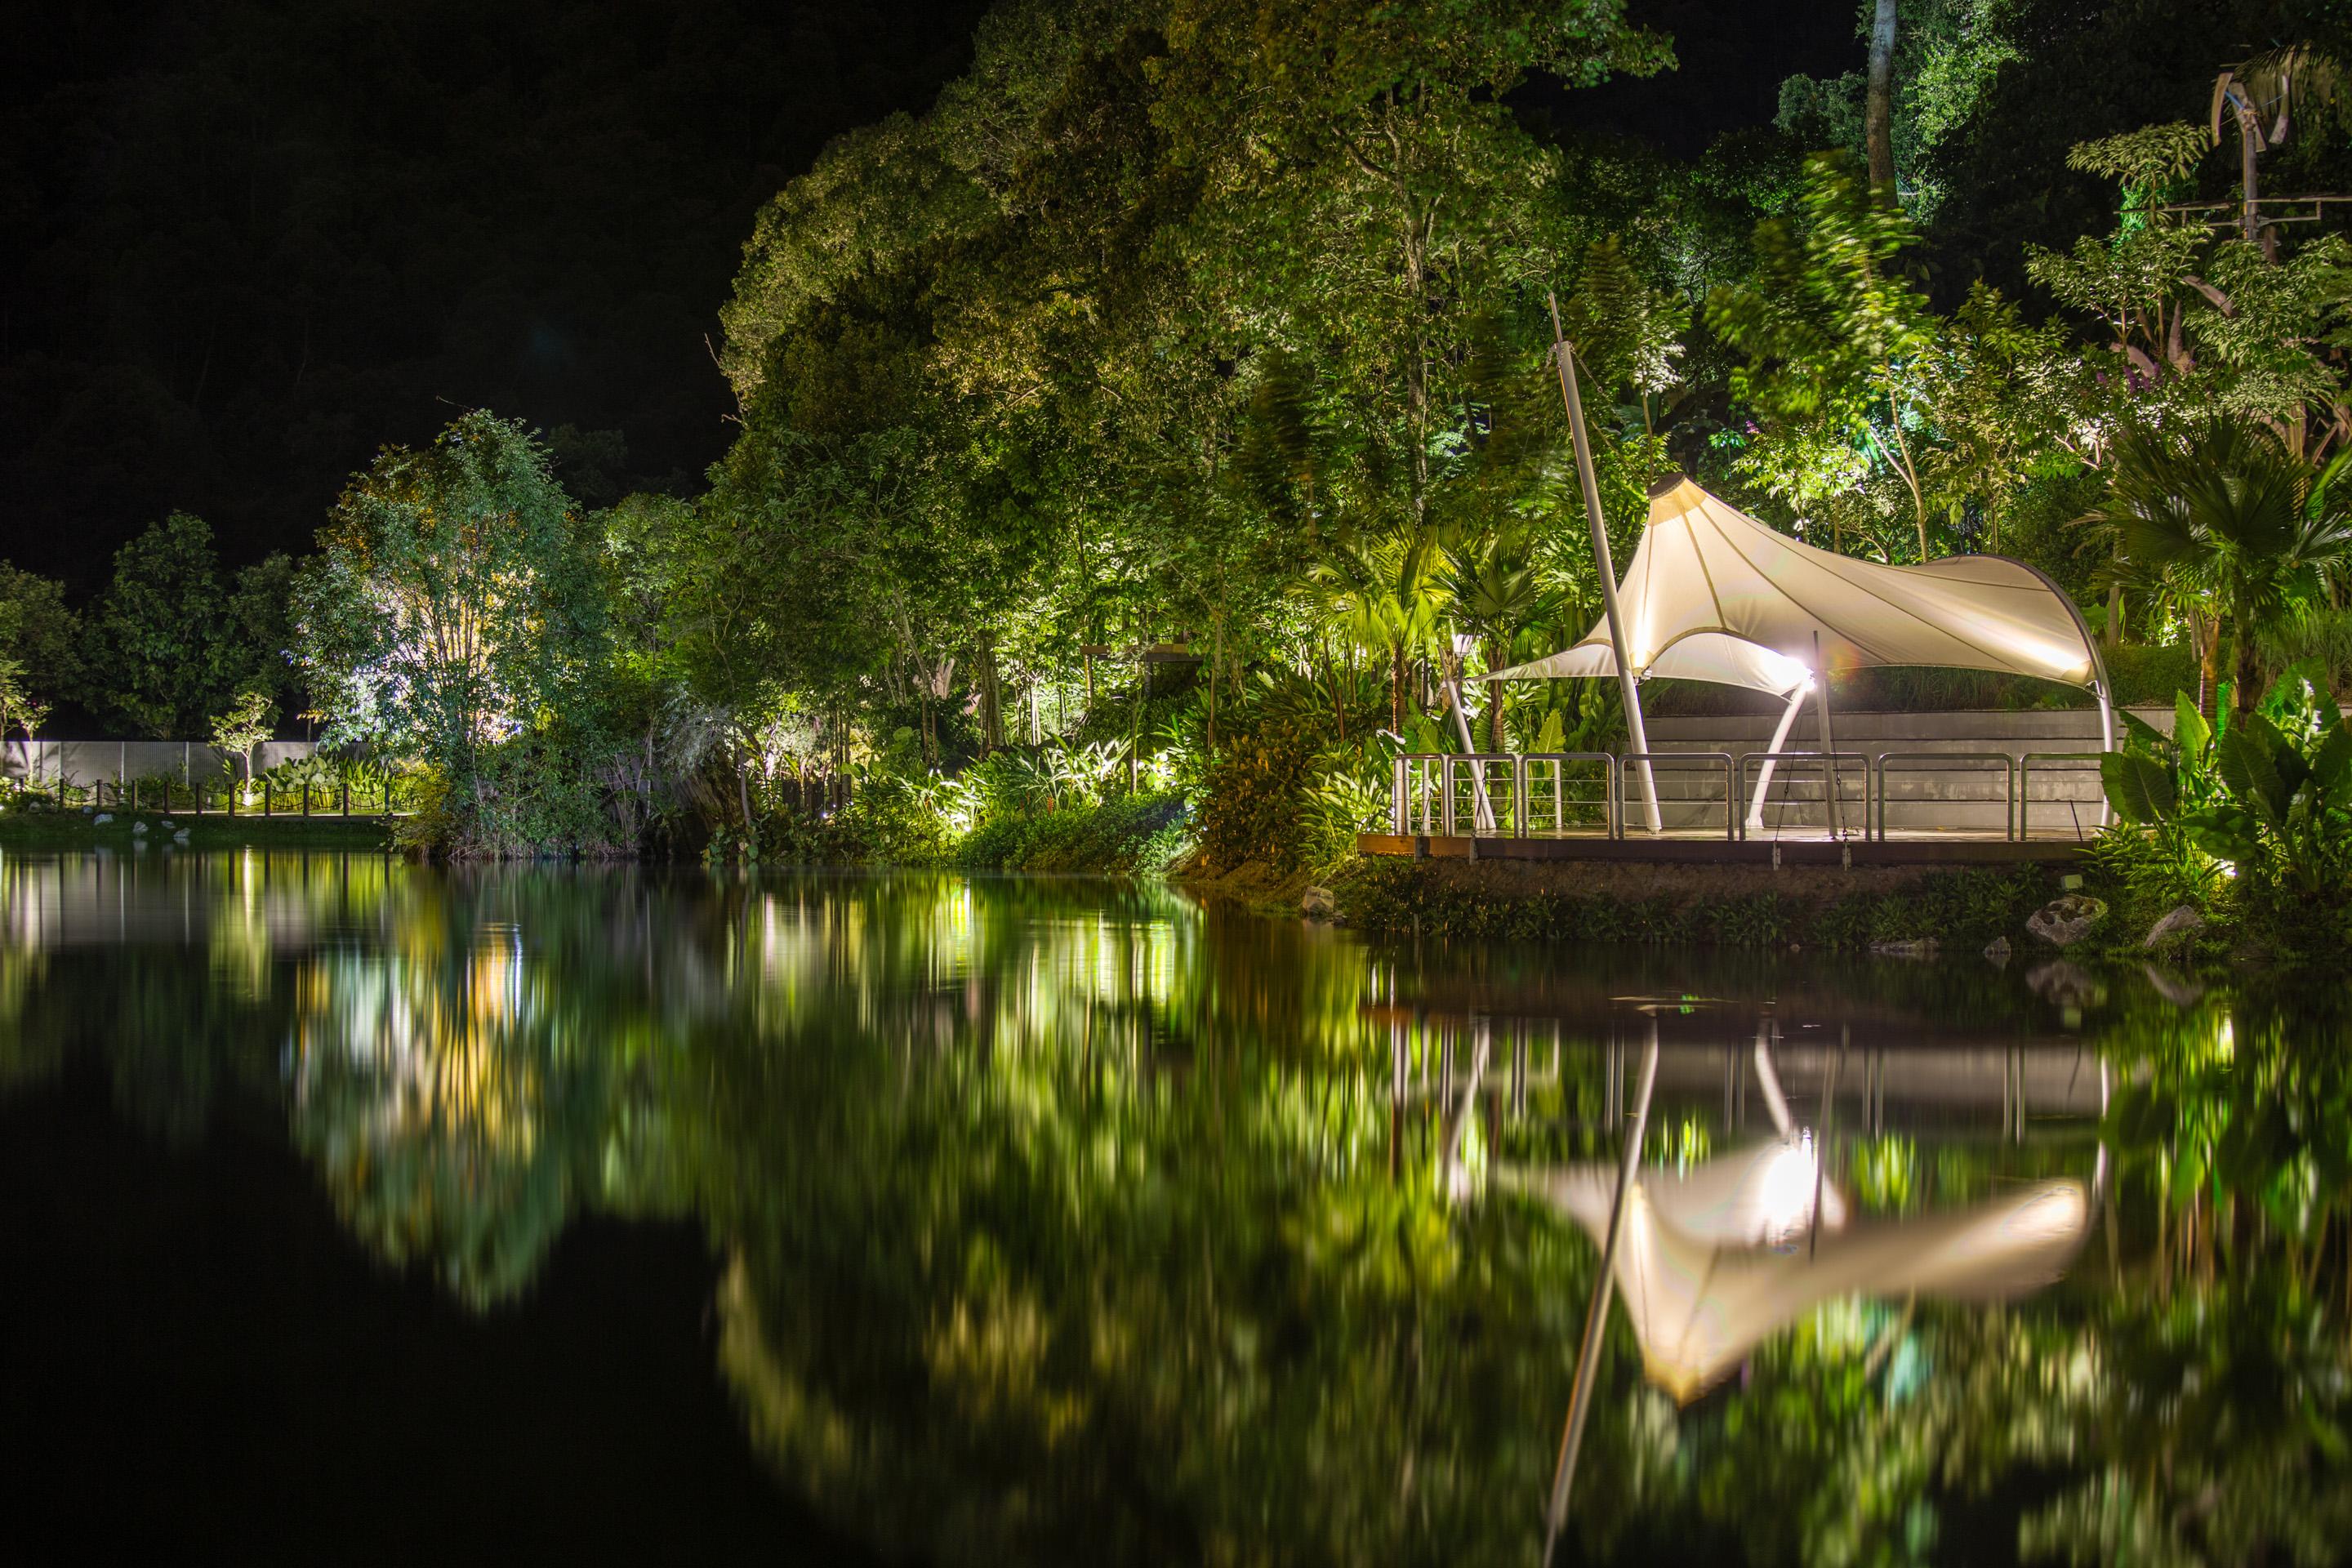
[1714,849]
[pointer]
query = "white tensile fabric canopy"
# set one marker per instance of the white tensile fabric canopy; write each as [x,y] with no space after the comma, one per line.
[1714,595]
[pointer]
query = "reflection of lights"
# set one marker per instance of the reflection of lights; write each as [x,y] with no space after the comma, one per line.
[1785,1185]
[1789,672]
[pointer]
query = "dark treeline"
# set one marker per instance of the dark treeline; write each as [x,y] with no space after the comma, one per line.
[243,244]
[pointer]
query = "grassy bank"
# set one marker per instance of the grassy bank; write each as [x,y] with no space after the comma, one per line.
[69,830]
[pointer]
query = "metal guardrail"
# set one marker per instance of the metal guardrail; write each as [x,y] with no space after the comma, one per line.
[1829,770]
[1506,794]
[262,797]
[1528,795]
[1419,780]
[2003,760]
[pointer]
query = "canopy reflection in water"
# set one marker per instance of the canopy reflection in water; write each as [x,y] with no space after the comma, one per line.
[1703,1277]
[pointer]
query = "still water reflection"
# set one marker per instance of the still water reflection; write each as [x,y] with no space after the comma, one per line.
[1066,1221]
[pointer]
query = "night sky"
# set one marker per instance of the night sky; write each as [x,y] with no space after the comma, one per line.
[245,243]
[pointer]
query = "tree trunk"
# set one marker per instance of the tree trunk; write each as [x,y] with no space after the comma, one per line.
[1498,741]
[992,713]
[2250,150]
[1396,686]
[2249,672]
[1878,107]
[2207,635]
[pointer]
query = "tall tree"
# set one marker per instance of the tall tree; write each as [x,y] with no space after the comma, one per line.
[154,638]
[41,635]
[1837,342]
[456,607]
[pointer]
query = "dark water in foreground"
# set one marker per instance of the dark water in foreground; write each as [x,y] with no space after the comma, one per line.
[349,1212]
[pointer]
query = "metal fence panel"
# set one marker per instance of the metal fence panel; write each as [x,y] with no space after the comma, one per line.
[1976,764]
[2071,793]
[1691,786]
[1806,780]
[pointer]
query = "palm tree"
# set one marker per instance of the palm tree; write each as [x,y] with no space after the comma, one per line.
[1385,592]
[1499,592]
[2226,526]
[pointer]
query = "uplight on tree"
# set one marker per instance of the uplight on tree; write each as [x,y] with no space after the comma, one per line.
[246,725]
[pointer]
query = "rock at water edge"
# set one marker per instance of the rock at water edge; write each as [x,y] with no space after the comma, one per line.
[2067,920]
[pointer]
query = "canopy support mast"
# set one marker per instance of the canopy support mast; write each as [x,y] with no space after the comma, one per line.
[1485,812]
[1829,745]
[1635,728]
[1779,740]
[1596,1312]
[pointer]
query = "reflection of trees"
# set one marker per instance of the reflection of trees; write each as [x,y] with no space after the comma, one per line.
[2182,1399]
[1059,1219]
[2208,1397]
[467,1085]
[1080,1227]
[1116,1321]
[27,1053]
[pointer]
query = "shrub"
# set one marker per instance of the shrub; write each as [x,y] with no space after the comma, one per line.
[2266,798]
[1255,813]
[1133,834]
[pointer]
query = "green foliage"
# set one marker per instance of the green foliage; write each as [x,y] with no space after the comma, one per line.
[257,655]
[153,637]
[1947,56]
[1251,816]
[2144,162]
[19,709]
[1836,341]
[2314,636]
[2208,328]
[2227,527]
[42,636]
[1130,834]
[2267,795]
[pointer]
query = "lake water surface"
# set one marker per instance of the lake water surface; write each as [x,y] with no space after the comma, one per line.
[350,1211]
